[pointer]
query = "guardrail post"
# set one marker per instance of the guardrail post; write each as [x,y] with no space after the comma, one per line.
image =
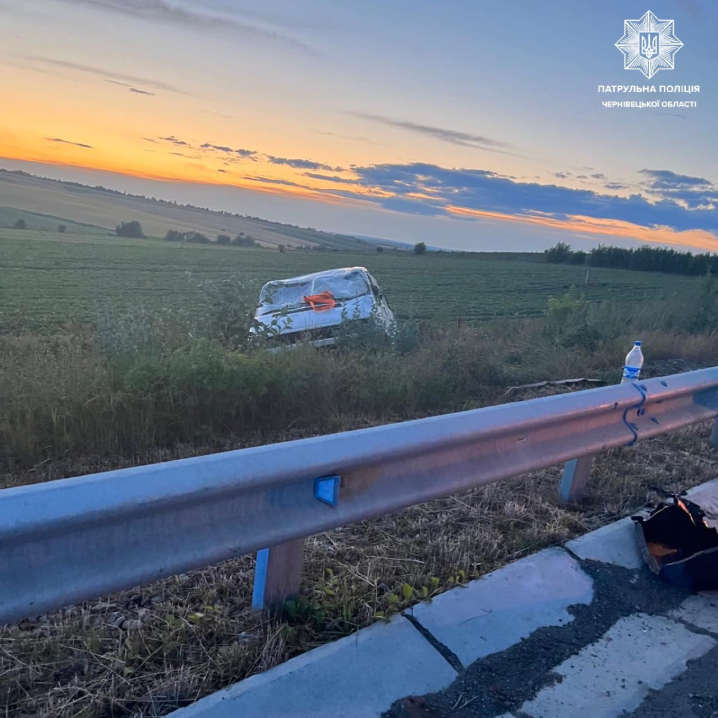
[278,574]
[575,477]
[714,435]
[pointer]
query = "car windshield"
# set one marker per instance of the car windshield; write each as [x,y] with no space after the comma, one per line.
[276,296]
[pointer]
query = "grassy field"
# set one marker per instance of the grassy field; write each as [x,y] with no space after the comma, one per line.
[50,278]
[106,209]
[46,222]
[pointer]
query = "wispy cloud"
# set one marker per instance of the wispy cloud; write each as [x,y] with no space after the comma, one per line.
[329,178]
[67,142]
[174,140]
[129,87]
[107,75]
[301,164]
[355,138]
[275,181]
[197,18]
[300,20]
[454,137]
[232,154]
[228,150]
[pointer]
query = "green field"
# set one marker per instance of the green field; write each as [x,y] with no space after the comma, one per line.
[47,278]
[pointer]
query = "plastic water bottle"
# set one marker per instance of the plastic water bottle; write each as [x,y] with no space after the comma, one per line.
[634,362]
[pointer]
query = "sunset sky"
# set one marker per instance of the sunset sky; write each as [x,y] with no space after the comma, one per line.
[470,124]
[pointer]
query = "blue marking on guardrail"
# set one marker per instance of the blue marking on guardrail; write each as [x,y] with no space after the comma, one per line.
[326,489]
[633,428]
[260,579]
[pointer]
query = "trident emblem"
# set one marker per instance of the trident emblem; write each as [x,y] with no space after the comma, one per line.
[649,44]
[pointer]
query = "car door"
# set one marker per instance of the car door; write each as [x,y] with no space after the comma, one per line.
[385,312]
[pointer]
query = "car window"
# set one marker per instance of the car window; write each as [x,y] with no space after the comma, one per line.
[276,296]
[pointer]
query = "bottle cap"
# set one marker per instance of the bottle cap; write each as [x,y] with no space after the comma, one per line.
[638,344]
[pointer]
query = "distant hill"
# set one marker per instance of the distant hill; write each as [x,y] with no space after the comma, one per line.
[385,242]
[44,222]
[104,208]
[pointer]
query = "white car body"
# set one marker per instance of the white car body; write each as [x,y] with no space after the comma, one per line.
[290,319]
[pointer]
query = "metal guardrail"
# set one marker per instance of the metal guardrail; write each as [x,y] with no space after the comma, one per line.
[77,539]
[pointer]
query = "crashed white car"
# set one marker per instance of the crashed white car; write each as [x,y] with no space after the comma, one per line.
[310,309]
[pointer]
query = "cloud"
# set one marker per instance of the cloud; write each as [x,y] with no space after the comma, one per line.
[231,154]
[129,87]
[665,179]
[107,75]
[280,182]
[615,185]
[283,19]
[301,164]
[67,142]
[219,148]
[599,176]
[694,192]
[483,191]
[174,141]
[562,175]
[329,178]
[355,138]
[454,137]
[161,11]
[225,148]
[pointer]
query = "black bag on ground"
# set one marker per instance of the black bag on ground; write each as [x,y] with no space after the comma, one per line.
[679,538]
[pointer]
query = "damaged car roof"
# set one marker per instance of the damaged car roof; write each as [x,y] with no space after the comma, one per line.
[327,274]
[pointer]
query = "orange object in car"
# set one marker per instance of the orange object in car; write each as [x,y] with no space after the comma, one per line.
[321,302]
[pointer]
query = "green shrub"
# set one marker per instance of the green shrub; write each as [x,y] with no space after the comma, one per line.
[131,229]
[244,240]
[196,238]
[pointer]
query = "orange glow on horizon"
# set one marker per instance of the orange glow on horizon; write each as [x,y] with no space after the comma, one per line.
[199,174]
[691,238]
[157,162]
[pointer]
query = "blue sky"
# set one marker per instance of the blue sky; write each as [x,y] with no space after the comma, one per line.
[470,125]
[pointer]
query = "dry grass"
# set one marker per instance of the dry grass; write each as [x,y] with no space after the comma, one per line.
[147,651]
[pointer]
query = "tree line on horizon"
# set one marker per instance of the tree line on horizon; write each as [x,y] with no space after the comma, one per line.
[642,259]
[241,240]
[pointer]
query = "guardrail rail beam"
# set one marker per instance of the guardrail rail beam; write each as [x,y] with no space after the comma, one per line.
[77,539]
